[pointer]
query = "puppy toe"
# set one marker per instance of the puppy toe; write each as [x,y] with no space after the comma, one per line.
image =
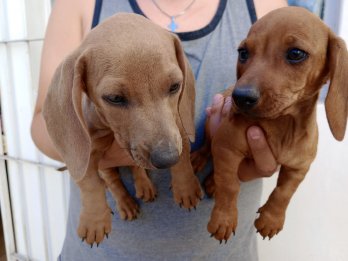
[82,232]
[91,236]
[209,186]
[107,228]
[269,223]
[194,201]
[222,224]
[149,194]
[140,194]
[189,194]
[229,231]
[272,233]
[99,235]
[127,208]
[221,233]
[264,232]
[123,214]
[134,212]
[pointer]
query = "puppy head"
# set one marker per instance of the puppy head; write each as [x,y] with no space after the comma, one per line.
[285,59]
[128,78]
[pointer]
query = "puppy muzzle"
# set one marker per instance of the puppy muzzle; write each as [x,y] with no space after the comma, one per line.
[245,97]
[164,157]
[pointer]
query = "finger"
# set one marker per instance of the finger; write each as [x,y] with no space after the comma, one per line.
[227,106]
[218,102]
[208,111]
[215,113]
[265,162]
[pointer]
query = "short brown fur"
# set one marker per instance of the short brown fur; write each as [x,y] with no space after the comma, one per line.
[286,111]
[129,57]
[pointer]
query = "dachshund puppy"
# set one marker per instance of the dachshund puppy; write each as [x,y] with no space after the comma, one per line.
[128,81]
[286,58]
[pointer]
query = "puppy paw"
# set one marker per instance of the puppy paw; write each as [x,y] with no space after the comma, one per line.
[222,224]
[270,222]
[145,190]
[127,208]
[199,159]
[188,194]
[209,185]
[94,226]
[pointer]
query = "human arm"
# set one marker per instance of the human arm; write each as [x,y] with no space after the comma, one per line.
[69,23]
[63,34]
[263,7]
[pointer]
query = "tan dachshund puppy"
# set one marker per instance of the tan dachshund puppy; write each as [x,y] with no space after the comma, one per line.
[286,58]
[128,81]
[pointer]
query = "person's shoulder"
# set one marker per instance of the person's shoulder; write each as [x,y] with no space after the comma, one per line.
[73,10]
[265,6]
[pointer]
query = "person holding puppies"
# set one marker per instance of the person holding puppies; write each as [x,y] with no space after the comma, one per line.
[210,32]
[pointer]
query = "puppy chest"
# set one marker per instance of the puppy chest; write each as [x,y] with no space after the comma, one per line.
[292,147]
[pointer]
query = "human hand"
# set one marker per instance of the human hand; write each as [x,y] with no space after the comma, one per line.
[263,163]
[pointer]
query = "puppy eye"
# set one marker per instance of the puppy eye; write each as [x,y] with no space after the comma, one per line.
[117,100]
[174,88]
[296,55]
[243,55]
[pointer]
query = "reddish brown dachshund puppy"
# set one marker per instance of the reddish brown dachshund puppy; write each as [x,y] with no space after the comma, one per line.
[129,81]
[286,58]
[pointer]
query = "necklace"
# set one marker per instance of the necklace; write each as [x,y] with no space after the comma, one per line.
[173,25]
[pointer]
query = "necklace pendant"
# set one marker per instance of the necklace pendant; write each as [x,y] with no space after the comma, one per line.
[172,26]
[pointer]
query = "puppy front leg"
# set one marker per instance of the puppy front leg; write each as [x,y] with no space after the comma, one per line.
[127,208]
[272,214]
[187,191]
[95,216]
[224,217]
[144,187]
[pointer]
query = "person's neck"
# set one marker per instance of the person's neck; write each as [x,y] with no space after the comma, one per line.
[174,7]
[198,15]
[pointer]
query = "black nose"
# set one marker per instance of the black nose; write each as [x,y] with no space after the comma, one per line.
[164,157]
[245,97]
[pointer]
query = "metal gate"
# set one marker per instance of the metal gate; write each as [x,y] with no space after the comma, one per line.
[33,194]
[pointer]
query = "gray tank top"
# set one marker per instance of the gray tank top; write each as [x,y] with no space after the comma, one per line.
[164,231]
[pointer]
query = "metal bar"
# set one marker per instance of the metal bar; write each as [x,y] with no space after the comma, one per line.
[21,40]
[6,210]
[18,257]
[39,164]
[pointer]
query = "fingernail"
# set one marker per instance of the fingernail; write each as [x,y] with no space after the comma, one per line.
[227,106]
[228,99]
[254,133]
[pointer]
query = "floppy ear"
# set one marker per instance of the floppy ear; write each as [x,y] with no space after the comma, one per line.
[336,103]
[63,113]
[188,93]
